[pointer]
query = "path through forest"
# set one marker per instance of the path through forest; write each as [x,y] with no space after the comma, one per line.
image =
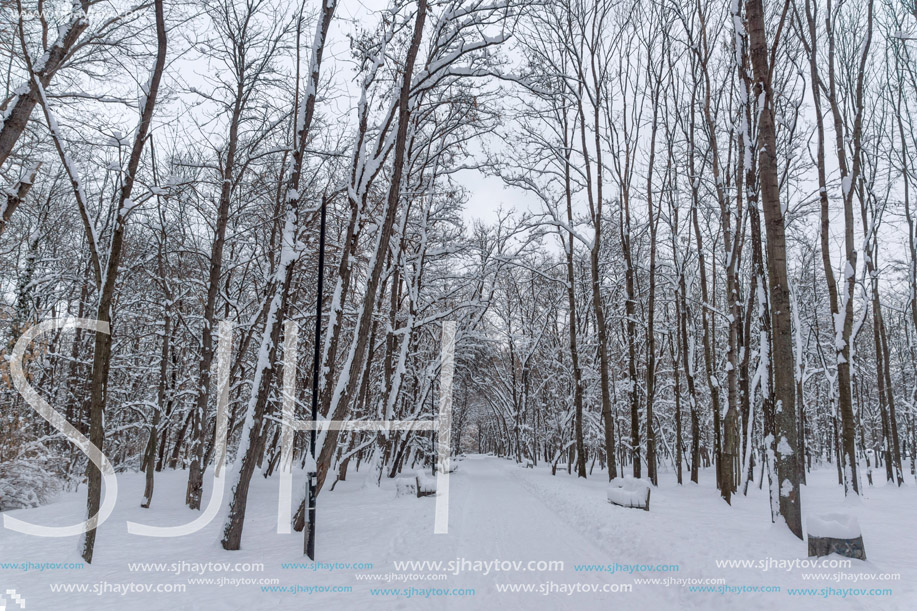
[502,518]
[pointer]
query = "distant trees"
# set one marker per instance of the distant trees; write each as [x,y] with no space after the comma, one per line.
[738,148]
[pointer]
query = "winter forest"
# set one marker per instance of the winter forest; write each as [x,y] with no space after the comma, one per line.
[678,240]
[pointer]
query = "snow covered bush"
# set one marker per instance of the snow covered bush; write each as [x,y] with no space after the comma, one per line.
[27,482]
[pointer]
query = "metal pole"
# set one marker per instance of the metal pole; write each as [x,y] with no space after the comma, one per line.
[316,362]
[433,432]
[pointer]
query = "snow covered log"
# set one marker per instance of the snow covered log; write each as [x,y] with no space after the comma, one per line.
[629,492]
[835,533]
[426,485]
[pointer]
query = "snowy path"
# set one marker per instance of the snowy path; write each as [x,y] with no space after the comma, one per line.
[498,512]
[495,517]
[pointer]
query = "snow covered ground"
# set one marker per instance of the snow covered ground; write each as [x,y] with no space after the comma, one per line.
[510,530]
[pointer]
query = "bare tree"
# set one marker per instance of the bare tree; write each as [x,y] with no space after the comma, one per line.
[762,58]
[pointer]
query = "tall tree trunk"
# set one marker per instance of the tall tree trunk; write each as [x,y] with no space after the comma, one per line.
[785,443]
[650,379]
[162,387]
[595,199]
[199,419]
[278,291]
[349,378]
[847,459]
[571,322]
[102,355]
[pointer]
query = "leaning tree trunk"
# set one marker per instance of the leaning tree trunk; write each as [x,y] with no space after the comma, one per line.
[16,195]
[102,356]
[17,110]
[346,385]
[278,291]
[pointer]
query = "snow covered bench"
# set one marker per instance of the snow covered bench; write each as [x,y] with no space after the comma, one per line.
[406,486]
[426,485]
[835,533]
[416,485]
[629,492]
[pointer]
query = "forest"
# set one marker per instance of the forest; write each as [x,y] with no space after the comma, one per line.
[712,274]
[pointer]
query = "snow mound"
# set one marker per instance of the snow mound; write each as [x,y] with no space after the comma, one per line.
[833,526]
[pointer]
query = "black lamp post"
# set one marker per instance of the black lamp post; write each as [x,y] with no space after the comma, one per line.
[316,362]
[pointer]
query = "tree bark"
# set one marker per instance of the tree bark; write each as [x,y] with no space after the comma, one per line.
[103,341]
[785,445]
